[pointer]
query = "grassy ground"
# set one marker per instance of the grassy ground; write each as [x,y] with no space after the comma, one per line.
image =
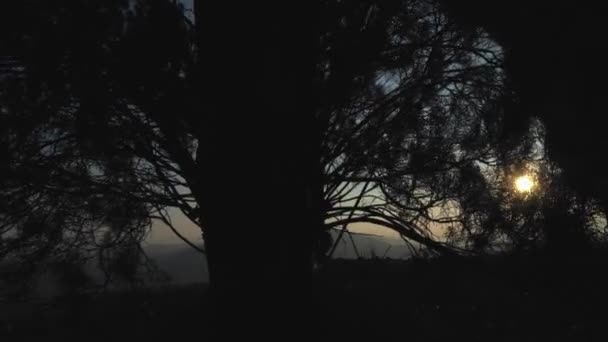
[491,300]
[532,299]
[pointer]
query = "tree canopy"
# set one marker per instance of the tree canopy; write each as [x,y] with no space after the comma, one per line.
[113,112]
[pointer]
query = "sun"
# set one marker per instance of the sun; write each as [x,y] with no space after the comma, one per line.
[524,183]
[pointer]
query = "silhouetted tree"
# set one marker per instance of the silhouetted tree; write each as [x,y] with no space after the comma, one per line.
[115,111]
[265,129]
[421,118]
[410,77]
[539,39]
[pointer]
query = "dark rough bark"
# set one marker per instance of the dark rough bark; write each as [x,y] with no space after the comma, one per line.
[258,162]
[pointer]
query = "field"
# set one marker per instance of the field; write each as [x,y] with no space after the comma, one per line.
[494,299]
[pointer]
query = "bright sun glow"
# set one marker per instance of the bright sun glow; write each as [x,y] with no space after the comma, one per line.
[524,183]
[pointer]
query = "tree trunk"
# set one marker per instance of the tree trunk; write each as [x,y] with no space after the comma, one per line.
[258,156]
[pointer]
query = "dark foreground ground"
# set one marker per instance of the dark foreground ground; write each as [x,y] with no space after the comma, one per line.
[498,299]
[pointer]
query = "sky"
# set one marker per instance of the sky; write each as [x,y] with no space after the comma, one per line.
[188,6]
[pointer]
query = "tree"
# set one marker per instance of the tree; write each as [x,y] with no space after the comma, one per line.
[361,119]
[418,122]
[265,130]
[538,40]
[113,107]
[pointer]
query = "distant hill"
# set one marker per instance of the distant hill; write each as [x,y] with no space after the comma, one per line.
[182,263]
[185,266]
[371,245]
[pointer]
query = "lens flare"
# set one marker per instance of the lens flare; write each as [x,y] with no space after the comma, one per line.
[524,183]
